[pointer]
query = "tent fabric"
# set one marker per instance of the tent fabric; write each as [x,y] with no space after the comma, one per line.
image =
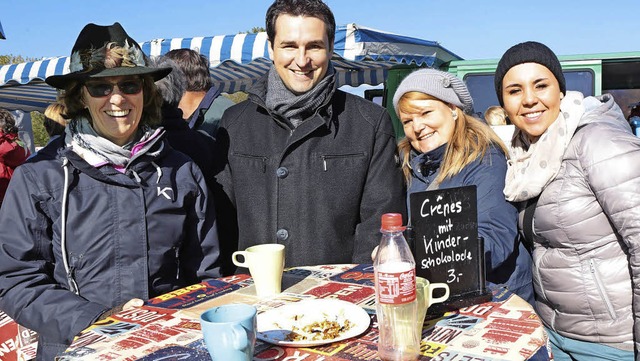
[361,56]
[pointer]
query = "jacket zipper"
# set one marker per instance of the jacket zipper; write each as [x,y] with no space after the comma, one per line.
[600,286]
[543,294]
[177,251]
[337,156]
[263,158]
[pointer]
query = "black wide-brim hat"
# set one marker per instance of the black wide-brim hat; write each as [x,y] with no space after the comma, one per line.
[89,57]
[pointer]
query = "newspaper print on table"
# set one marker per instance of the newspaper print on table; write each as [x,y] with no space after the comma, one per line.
[506,329]
[17,343]
[490,331]
[179,353]
[143,340]
[323,272]
[361,274]
[193,295]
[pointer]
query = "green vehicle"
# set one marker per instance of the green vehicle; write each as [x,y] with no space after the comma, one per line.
[591,74]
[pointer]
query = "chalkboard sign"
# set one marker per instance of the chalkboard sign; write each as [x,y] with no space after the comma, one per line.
[446,245]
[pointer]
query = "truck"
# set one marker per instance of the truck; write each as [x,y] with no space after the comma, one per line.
[590,74]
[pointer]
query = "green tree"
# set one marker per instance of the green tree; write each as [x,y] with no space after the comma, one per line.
[14,59]
[40,136]
[254,30]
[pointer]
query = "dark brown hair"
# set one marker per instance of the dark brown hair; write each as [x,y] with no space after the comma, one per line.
[7,122]
[195,67]
[308,8]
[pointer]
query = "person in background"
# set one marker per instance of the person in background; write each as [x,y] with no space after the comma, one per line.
[634,119]
[196,145]
[201,104]
[496,117]
[54,121]
[108,215]
[25,128]
[13,151]
[572,170]
[302,163]
[446,147]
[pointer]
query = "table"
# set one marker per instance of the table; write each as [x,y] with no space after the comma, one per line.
[167,327]
[17,343]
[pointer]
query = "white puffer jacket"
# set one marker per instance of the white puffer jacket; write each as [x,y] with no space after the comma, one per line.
[587,233]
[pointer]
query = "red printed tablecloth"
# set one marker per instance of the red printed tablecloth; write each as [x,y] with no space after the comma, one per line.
[17,343]
[167,327]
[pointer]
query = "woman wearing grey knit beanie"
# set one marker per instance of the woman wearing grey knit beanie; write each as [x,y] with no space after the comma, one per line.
[446,147]
[573,170]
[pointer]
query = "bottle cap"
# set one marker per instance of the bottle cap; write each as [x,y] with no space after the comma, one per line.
[392,222]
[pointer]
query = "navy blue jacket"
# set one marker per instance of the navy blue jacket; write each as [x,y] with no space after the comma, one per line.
[139,234]
[508,261]
[196,144]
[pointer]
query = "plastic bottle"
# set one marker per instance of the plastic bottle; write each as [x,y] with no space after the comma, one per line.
[396,304]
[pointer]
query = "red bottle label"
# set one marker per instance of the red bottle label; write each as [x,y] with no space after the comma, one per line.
[395,288]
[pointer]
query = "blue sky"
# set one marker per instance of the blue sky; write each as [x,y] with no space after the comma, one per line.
[472,29]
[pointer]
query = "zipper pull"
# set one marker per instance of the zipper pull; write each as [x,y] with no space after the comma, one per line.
[324,163]
[177,250]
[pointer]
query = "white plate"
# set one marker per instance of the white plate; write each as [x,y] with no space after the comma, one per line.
[276,324]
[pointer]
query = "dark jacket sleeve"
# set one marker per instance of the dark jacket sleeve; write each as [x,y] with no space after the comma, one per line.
[497,218]
[223,194]
[202,249]
[383,191]
[28,291]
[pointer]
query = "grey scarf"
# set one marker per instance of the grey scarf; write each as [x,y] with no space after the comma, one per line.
[96,150]
[296,108]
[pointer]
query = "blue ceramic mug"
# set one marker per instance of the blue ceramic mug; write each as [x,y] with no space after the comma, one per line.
[229,331]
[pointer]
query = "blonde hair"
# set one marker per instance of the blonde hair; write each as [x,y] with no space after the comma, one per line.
[54,119]
[470,140]
[495,115]
[55,112]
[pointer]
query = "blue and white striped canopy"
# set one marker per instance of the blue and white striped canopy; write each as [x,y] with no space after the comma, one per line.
[361,56]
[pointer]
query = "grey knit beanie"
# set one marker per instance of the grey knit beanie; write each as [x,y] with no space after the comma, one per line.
[528,52]
[439,84]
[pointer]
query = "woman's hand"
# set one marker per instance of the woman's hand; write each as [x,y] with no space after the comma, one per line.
[132,303]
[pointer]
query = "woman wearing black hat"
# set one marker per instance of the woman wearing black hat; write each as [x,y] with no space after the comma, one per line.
[446,147]
[108,214]
[577,158]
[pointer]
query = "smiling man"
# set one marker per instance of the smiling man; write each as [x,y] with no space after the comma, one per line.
[302,163]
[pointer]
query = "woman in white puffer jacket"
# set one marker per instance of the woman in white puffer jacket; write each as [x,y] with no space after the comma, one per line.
[578,158]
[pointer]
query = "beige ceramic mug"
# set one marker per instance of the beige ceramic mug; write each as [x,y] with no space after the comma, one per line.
[265,263]
[424,290]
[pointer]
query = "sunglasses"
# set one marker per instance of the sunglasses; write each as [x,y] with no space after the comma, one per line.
[103,89]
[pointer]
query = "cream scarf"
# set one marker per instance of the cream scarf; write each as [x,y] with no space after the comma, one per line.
[532,167]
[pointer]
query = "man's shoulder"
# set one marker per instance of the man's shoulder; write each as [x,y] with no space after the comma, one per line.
[356,104]
[237,109]
[354,99]
[355,108]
